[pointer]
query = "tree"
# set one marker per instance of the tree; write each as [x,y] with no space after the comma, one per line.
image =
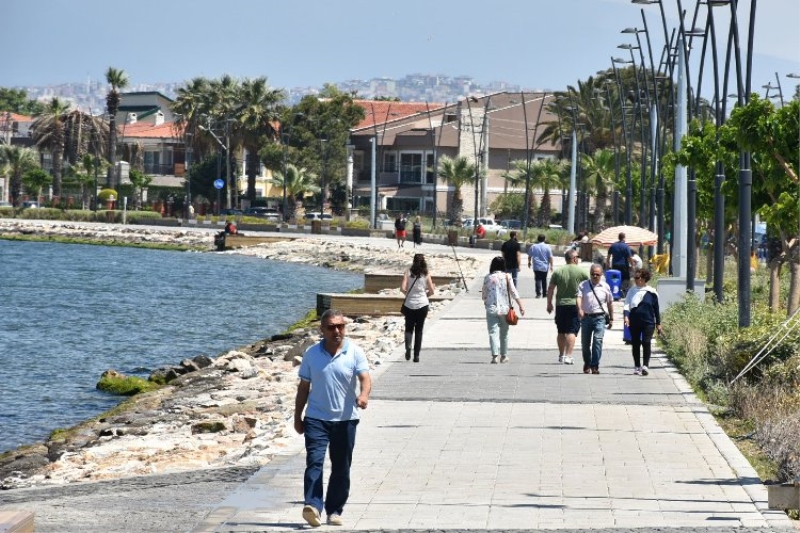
[298,182]
[457,173]
[546,175]
[35,179]
[48,133]
[772,138]
[83,176]
[117,79]
[16,101]
[257,120]
[140,182]
[15,161]
[598,175]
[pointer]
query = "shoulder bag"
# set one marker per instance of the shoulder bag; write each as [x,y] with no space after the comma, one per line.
[403,307]
[511,317]
[605,315]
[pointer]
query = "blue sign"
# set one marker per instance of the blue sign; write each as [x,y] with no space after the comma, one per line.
[218,184]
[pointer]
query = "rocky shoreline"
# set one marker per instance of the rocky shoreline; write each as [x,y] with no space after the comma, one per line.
[232,410]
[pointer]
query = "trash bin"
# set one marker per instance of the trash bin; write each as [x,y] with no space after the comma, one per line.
[586,251]
[614,280]
[316,226]
[452,237]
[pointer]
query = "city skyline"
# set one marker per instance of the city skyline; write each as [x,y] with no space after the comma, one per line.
[534,45]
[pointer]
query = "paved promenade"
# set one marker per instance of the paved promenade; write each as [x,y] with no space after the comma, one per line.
[456,443]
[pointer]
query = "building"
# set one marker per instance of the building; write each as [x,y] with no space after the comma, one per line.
[405,139]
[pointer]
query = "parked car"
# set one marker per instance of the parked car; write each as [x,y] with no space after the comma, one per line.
[507,226]
[30,204]
[488,223]
[317,216]
[268,213]
[232,212]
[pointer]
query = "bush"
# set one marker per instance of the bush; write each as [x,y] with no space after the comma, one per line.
[105,194]
[357,224]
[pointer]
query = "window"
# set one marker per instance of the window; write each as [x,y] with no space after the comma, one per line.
[406,205]
[390,162]
[358,161]
[429,170]
[411,168]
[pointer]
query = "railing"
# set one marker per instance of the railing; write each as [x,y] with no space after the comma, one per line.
[163,169]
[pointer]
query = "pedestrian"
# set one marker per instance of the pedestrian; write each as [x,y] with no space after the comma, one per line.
[327,391]
[417,232]
[564,282]
[497,293]
[643,317]
[417,285]
[620,257]
[595,309]
[400,230]
[540,258]
[512,252]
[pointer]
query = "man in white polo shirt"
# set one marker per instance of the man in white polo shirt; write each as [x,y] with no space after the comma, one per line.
[327,391]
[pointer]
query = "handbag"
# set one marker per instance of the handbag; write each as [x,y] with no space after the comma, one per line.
[403,307]
[606,316]
[511,316]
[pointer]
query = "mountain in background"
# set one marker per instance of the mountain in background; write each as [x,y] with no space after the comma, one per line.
[91,95]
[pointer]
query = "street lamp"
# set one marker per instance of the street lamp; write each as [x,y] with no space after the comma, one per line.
[628,178]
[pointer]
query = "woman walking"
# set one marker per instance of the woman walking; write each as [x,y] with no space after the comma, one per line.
[417,232]
[498,290]
[643,317]
[417,286]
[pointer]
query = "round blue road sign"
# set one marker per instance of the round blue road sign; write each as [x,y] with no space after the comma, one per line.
[219,183]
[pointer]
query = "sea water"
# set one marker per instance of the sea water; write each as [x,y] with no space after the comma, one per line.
[69,312]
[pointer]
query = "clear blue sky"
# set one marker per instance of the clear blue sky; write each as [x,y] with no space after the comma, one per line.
[543,44]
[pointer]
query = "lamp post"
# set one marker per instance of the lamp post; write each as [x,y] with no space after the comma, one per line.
[323,154]
[188,145]
[528,156]
[628,178]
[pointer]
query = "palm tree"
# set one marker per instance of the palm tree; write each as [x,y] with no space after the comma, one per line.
[118,80]
[599,174]
[457,173]
[48,133]
[83,176]
[257,120]
[298,182]
[546,174]
[15,161]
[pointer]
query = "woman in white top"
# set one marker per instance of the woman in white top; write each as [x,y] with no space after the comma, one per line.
[417,286]
[496,287]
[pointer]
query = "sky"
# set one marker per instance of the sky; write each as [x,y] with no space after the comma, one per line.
[538,44]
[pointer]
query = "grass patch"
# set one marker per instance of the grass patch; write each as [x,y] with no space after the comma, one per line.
[305,322]
[741,433]
[125,385]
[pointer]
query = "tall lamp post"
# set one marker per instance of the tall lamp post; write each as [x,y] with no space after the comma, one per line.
[628,177]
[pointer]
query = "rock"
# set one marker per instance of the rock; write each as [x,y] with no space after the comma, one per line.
[187,365]
[297,361]
[299,349]
[208,427]
[202,361]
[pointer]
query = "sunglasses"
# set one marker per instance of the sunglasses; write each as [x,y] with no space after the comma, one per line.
[596,275]
[334,327]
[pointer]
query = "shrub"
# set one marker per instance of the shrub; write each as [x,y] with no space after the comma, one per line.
[357,224]
[105,194]
[125,385]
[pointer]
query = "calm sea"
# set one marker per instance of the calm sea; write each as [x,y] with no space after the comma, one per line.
[70,312]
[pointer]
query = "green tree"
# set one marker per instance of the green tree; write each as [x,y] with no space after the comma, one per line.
[598,175]
[36,179]
[15,161]
[546,175]
[84,176]
[456,172]
[118,80]
[257,120]
[298,182]
[140,182]
[49,133]
[16,101]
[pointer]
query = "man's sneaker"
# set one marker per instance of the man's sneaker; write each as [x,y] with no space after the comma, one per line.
[504,359]
[645,371]
[334,520]
[637,371]
[311,515]
[494,359]
[560,358]
[568,360]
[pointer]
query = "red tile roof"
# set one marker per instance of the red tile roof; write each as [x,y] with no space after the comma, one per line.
[380,111]
[167,130]
[15,117]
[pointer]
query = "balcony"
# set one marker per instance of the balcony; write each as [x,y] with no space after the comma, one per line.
[157,169]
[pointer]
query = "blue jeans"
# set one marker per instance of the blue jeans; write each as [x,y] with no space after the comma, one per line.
[341,438]
[514,273]
[498,334]
[592,330]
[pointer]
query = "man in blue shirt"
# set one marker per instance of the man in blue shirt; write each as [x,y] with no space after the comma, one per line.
[540,257]
[327,391]
[620,257]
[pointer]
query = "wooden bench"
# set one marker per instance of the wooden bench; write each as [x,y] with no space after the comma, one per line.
[16,522]
[241,241]
[374,283]
[364,304]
